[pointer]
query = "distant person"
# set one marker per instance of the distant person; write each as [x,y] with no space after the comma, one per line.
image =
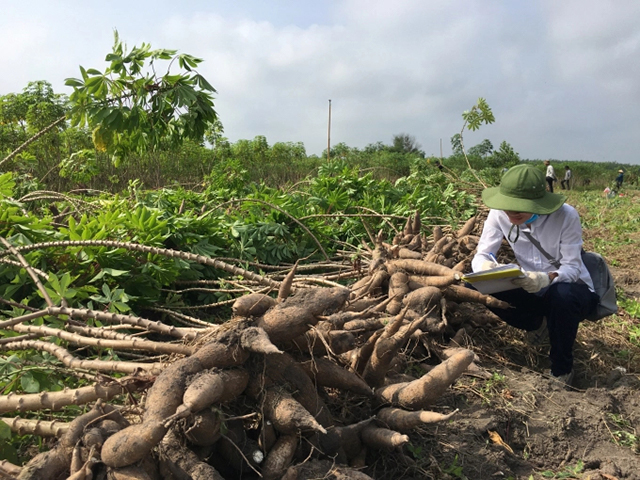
[550,176]
[619,179]
[439,166]
[566,181]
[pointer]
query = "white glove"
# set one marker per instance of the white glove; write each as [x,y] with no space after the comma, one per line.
[487,265]
[532,282]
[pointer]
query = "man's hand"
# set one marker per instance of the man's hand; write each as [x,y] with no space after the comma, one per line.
[532,282]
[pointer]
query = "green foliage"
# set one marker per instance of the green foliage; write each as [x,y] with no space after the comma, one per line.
[455,470]
[130,108]
[480,113]
[80,166]
[569,471]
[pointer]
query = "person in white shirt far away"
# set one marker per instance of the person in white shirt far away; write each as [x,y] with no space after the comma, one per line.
[550,175]
[566,181]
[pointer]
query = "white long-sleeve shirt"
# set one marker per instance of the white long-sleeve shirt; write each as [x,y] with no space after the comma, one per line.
[559,233]
[550,172]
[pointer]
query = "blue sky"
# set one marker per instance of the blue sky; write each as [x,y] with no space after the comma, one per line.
[562,77]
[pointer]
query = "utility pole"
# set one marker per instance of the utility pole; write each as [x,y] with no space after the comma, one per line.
[329,134]
[440,149]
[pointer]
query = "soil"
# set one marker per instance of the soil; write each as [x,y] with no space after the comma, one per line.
[540,429]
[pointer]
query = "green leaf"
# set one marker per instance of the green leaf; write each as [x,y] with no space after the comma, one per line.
[73,82]
[5,431]
[29,383]
[112,272]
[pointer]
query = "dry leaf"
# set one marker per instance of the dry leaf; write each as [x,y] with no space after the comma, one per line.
[608,477]
[496,438]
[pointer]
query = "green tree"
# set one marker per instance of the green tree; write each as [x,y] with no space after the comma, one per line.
[456,144]
[505,156]
[404,143]
[131,108]
[483,149]
[27,114]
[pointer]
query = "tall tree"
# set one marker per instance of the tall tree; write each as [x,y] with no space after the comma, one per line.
[130,107]
[405,143]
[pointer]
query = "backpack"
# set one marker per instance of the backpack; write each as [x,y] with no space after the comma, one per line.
[601,277]
[603,285]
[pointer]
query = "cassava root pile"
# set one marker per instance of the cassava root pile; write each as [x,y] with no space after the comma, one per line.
[257,397]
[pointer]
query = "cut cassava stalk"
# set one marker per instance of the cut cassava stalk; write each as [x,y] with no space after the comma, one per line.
[51,464]
[115,318]
[42,428]
[128,344]
[211,262]
[70,361]
[328,374]
[426,390]
[402,420]
[9,469]
[458,293]
[79,396]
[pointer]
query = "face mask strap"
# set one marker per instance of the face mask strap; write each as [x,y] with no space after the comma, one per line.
[517,233]
[533,218]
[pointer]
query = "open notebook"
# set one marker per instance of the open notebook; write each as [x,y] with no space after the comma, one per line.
[497,279]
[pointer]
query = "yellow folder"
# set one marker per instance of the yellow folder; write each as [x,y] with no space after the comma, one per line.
[497,279]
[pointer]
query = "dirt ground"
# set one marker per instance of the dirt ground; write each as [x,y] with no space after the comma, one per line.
[520,424]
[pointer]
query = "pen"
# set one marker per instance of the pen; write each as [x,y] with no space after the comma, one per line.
[495,260]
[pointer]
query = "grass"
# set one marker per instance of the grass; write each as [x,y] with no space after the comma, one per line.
[569,471]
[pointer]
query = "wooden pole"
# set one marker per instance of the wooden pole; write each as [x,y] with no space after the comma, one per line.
[440,149]
[329,134]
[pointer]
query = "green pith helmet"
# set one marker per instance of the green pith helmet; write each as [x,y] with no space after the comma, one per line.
[523,189]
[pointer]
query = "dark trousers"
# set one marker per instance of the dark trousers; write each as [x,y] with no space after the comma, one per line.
[550,183]
[565,184]
[564,304]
